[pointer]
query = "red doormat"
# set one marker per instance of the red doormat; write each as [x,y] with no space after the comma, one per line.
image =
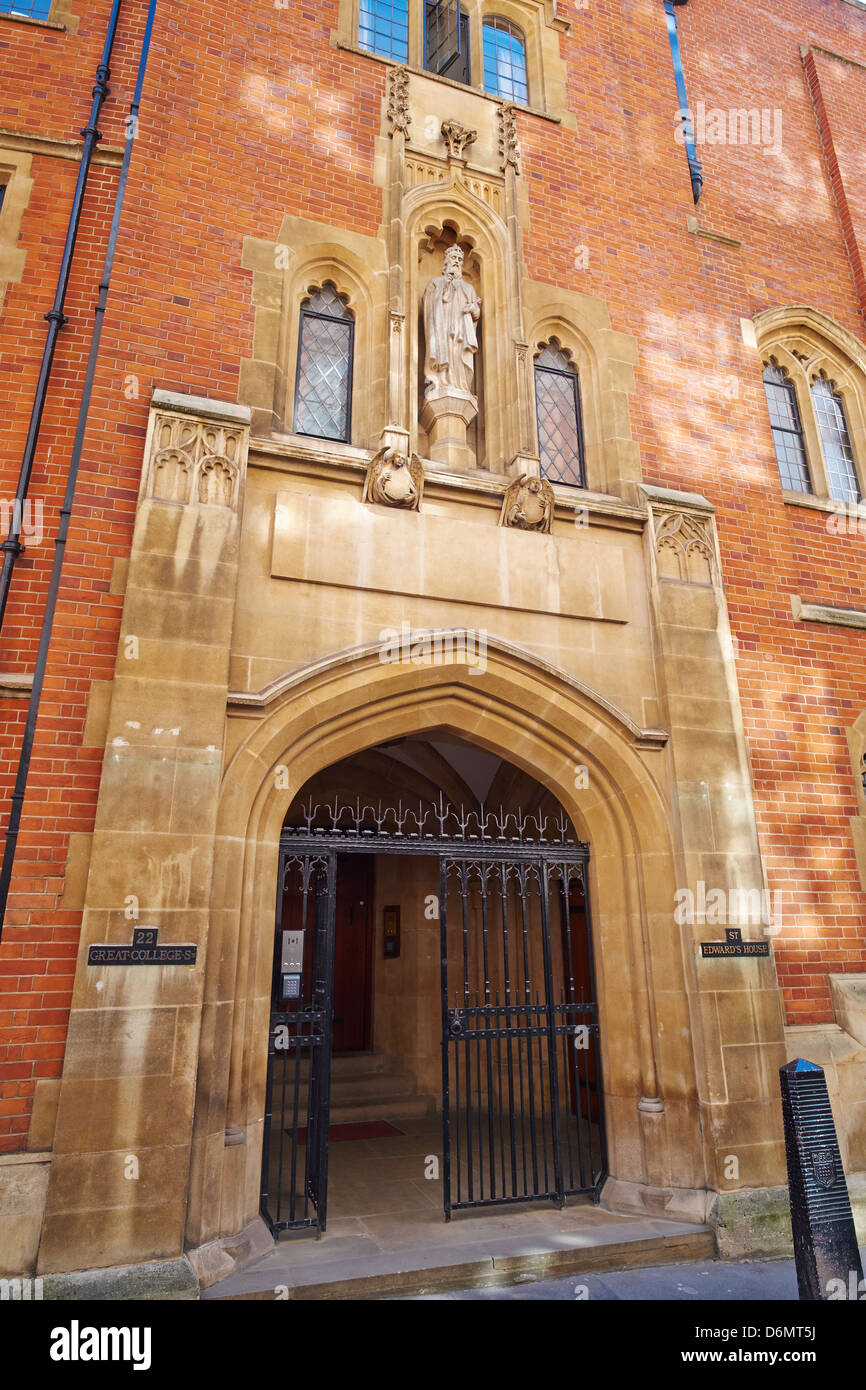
[362,1129]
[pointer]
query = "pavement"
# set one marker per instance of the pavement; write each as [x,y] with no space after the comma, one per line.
[693,1282]
[699,1281]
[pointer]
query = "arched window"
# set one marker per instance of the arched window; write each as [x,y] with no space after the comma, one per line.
[383,28]
[835,440]
[323,383]
[504,52]
[787,428]
[557,413]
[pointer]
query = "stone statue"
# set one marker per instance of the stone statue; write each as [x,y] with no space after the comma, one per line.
[393,480]
[528,504]
[451,311]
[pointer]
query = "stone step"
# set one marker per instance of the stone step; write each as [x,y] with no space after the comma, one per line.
[345,1065]
[376,1266]
[382,1108]
[371,1096]
[359,1079]
[359,1063]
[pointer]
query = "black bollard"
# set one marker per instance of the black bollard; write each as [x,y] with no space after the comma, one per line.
[825,1244]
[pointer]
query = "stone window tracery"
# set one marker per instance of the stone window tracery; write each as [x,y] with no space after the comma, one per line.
[814,374]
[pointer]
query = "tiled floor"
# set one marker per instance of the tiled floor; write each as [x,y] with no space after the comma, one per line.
[385,1220]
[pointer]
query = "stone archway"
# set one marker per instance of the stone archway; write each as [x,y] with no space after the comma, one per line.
[545,723]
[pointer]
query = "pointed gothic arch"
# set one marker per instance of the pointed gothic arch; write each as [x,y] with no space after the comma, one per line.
[543,722]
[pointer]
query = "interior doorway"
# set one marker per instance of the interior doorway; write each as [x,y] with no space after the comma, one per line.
[353,954]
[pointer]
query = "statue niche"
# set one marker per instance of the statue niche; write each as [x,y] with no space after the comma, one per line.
[451,309]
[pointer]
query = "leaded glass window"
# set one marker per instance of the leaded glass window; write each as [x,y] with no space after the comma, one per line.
[835,441]
[323,387]
[557,411]
[446,39]
[504,60]
[787,429]
[383,28]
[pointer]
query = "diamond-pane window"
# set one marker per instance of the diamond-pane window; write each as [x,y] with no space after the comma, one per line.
[835,441]
[557,411]
[504,52]
[323,385]
[787,429]
[383,28]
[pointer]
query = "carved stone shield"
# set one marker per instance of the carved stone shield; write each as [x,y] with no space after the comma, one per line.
[824,1166]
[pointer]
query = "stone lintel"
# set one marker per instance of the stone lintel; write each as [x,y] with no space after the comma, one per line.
[201,406]
[670,497]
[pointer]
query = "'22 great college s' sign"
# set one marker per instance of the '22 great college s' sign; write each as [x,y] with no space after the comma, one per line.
[144,950]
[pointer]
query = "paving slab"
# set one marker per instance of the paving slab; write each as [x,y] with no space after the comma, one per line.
[375,1257]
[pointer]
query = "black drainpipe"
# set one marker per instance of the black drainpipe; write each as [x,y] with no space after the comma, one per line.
[12,546]
[66,510]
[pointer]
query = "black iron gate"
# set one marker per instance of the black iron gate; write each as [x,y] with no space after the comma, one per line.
[521,1067]
[297,1098]
[521,1070]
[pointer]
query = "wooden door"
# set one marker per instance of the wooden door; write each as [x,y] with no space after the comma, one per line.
[353,954]
[583,1075]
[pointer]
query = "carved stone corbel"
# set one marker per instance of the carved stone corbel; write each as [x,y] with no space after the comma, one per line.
[528,504]
[457,139]
[395,480]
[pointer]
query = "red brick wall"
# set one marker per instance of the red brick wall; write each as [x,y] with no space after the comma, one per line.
[249,113]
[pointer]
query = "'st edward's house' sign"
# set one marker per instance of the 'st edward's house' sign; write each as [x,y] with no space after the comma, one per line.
[734,945]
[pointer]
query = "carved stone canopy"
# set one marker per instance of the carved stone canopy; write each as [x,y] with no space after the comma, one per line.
[528,504]
[457,138]
[394,480]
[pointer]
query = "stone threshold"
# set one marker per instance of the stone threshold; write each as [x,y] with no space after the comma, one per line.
[499,1262]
